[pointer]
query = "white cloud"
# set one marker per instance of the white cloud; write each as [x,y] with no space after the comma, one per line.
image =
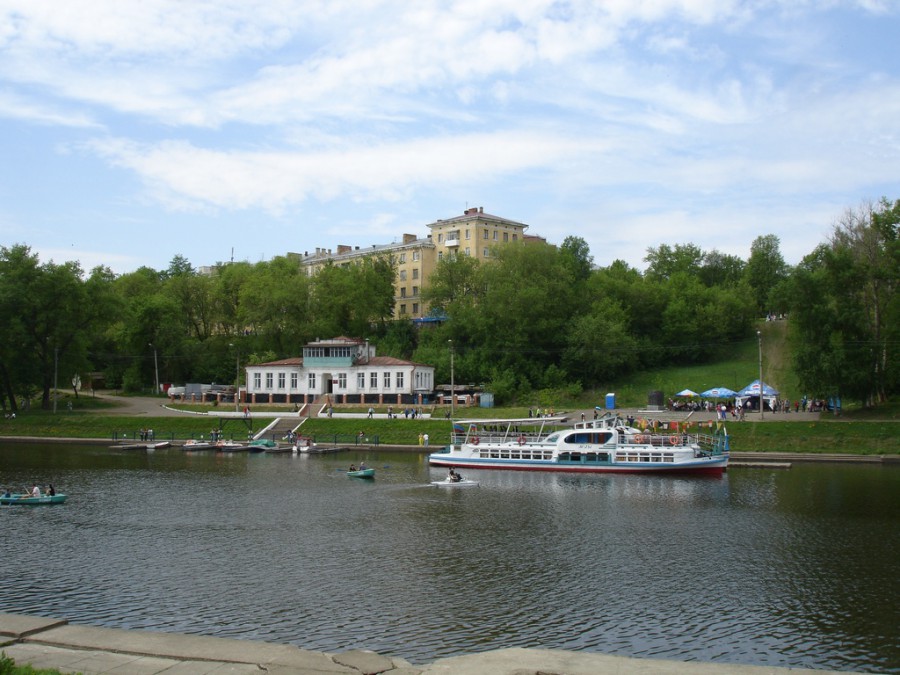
[675,110]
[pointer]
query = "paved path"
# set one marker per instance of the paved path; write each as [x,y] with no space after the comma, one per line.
[148,406]
[51,643]
[137,406]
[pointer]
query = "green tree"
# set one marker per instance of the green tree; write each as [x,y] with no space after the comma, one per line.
[577,256]
[274,302]
[57,311]
[844,308]
[454,283]
[663,262]
[765,270]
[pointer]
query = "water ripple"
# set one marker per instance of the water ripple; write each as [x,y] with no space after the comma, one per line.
[737,570]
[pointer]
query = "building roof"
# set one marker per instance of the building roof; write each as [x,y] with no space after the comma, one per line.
[293,361]
[389,361]
[379,361]
[477,213]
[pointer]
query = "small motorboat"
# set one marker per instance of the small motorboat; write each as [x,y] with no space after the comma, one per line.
[362,473]
[449,482]
[230,446]
[197,445]
[28,500]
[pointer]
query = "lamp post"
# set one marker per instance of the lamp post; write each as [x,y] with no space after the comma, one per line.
[761,386]
[237,377]
[55,372]
[452,384]
[155,370]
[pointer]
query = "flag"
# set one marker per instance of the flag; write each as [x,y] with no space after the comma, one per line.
[458,429]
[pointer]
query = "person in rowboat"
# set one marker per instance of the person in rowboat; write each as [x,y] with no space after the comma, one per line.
[453,477]
[352,467]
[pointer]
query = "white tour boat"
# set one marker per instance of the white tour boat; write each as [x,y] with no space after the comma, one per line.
[605,445]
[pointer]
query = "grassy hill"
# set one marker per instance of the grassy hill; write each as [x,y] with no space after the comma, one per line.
[736,371]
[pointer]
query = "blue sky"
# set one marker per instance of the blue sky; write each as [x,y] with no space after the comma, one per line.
[133,131]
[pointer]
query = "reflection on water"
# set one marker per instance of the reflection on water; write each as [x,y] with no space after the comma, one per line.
[788,568]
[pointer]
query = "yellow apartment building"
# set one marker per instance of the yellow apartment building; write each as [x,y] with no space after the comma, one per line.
[474,233]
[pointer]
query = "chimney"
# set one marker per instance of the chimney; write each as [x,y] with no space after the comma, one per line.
[343,248]
[409,238]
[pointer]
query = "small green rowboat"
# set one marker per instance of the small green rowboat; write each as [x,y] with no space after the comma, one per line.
[28,500]
[362,473]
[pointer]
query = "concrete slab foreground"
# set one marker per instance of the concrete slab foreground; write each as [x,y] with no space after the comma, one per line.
[21,625]
[519,661]
[49,643]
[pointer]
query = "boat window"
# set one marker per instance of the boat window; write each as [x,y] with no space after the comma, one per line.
[552,438]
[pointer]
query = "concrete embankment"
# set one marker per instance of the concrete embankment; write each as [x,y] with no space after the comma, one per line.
[44,642]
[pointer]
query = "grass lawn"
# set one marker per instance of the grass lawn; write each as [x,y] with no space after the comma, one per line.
[842,435]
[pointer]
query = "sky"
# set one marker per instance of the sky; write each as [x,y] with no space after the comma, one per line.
[134,131]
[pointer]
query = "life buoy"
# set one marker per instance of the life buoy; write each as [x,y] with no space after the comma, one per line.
[640,439]
[475,441]
[673,440]
[522,440]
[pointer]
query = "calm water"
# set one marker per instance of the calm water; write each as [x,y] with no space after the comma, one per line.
[771,567]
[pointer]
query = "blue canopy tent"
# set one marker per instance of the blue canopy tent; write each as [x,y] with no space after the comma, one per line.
[719,392]
[751,393]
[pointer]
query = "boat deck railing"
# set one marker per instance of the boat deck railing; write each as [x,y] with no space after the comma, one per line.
[711,443]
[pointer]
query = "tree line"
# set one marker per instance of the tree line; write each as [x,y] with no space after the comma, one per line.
[536,317]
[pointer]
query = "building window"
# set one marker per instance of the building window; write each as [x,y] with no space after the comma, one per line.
[415,291]
[269,381]
[440,255]
[506,236]
[486,252]
[440,237]
[415,273]
[468,252]
[342,380]
[415,308]
[402,258]
[467,235]
[400,380]
[293,380]
[373,380]
[386,378]
[515,236]
[403,292]
[281,380]
[495,235]
[257,381]
[486,235]
[360,381]
[415,256]
[403,309]
[311,381]
[402,275]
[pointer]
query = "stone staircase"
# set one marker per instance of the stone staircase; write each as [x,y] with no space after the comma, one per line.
[282,426]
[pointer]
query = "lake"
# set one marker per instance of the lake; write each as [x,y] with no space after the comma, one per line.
[772,567]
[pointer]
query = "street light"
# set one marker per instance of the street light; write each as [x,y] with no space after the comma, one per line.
[237,376]
[452,384]
[762,388]
[155,370]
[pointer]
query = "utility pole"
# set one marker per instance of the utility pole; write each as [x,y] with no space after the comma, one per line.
[55,371]
[452,384]
[237,376]
[155,370]
[762,387]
